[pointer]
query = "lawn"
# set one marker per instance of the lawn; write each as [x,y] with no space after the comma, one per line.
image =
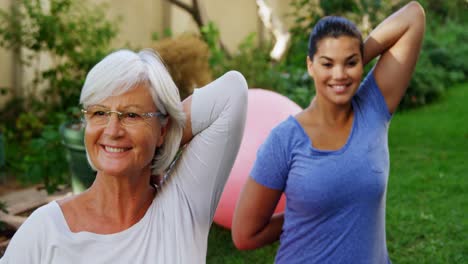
[427,197]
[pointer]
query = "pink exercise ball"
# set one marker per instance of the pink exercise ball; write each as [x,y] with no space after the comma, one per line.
[266,109]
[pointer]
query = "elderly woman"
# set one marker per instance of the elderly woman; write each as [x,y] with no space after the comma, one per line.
[135,124]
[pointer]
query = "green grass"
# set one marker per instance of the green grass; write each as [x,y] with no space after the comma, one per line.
[427,197]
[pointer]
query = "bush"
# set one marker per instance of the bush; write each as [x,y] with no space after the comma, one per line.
[186,58]
[442,63]
[41,162]
[75,36]
[254,62]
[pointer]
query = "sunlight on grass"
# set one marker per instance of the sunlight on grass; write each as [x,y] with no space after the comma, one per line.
[427,207]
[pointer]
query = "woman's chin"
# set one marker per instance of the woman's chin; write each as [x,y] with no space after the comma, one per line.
[113,172]
[345,98]
[113,168]
[341,99]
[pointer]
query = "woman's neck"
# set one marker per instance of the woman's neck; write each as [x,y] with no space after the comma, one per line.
[121,200]
[330,114]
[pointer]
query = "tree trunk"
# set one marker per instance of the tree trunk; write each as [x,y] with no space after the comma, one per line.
[273,23]
[194,11]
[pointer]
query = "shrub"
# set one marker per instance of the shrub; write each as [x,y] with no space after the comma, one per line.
[75,36]
[186,58]
[40,163]
[254,62]
[442,63]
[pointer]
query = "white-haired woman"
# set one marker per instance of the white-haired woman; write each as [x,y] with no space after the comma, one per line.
[135,124]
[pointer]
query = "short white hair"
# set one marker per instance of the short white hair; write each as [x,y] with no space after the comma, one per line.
[123,70]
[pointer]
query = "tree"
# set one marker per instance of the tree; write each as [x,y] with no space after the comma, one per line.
[194,11]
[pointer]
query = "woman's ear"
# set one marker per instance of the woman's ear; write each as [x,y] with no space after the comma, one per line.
[156,180]
[310,68]
[163,131]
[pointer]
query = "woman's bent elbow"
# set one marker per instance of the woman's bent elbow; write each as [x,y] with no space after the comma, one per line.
[417,10]
[241,241]
[241,237]
[241,88]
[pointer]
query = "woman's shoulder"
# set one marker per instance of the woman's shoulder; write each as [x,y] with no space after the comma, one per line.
[43,221]
[44,214]
[368,82]
[288,125]
[286,133]
[38,224]
[30,239]
[369,97]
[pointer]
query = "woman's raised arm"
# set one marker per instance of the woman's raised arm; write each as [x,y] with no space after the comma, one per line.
[398,40]
[187,135]
[215,121]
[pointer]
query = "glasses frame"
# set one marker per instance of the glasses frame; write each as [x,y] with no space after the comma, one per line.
[120,115]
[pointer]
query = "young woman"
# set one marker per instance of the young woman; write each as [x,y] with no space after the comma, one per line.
[331,160]
[134,127]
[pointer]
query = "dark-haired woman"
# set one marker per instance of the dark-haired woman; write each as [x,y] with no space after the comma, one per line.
[331,160]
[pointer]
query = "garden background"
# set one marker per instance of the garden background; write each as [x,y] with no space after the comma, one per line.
[58,41]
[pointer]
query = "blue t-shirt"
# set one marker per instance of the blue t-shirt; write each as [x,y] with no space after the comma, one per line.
[335,200]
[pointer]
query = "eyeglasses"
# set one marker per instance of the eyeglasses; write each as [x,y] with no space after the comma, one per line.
[97,115]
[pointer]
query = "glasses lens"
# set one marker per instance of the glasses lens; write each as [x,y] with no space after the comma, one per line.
[97,115]
[132,119]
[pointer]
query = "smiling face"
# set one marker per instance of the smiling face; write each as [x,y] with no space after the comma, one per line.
[115,149]
[336,68]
